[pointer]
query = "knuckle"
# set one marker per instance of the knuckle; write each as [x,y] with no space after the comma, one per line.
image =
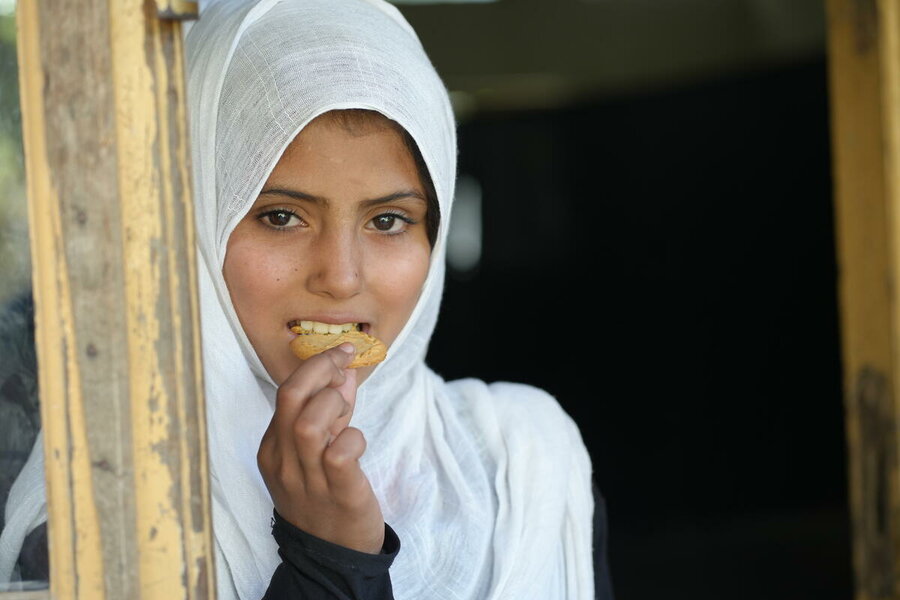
[331,395]
[327,364]
[263,458]
[267,454]
[339,359]
[347,453]
[358,438]
[338,458]
[306,431]
[329,357]
[285,395]
[269,464]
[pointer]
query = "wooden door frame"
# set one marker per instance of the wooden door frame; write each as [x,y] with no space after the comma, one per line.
[864,97]
[107,159]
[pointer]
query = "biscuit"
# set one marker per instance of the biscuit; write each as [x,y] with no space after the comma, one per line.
[369,350]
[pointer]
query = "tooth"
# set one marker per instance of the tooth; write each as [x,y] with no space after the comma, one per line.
[320,327]
[346,326]
[334,328]
[307,325]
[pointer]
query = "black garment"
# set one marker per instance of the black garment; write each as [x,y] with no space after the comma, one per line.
[313,569]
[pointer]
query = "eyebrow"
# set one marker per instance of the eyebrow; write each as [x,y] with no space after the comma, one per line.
[298,195]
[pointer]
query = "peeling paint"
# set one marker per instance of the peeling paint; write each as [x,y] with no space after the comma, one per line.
[75,567]
[162,470]
[154,320]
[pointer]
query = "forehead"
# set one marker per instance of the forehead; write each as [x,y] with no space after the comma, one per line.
[370,153]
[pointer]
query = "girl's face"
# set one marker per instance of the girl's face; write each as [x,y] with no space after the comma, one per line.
[337,236]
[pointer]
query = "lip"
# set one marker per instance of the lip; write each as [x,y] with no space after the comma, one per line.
[332,318]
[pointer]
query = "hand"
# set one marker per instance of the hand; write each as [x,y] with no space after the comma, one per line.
[309,456]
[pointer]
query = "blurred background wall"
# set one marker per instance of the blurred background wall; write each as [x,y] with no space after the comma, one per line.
[646,186]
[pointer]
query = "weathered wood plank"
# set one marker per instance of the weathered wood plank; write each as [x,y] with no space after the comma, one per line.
[116,307]
[864,72]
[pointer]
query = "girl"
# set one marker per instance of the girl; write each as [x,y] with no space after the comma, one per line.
[306,213]
[324,162]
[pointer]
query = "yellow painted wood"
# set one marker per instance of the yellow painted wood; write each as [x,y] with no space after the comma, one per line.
[159,263]
[864,90]
[76,570]
[118,336]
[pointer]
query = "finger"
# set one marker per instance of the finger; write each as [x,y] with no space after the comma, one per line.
[326,369]
[267,457]
[312,429]
[311,434]
[340,462]
[277,464]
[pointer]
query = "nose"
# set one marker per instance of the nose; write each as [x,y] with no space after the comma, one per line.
[335,265]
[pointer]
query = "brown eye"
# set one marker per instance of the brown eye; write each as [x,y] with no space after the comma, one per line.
[391,223]
[384,222]
[280,219]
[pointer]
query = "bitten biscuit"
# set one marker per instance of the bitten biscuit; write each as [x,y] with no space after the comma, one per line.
[369,350]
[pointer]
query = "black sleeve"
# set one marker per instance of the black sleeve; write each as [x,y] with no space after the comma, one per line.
[313,569]
[33,564]
[603,589]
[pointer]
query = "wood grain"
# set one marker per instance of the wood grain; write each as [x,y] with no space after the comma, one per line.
[864,59]
[117,328]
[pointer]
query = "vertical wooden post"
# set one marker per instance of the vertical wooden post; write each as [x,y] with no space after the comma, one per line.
[864,79]
[108,173]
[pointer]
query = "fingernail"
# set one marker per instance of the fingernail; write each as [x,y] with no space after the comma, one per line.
[348,348]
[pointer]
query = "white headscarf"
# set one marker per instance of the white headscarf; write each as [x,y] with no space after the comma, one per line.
[487,486]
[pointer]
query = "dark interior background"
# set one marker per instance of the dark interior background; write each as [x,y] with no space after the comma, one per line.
[657,215]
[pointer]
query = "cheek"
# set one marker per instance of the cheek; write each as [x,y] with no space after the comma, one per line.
[253,276]
[400,278]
